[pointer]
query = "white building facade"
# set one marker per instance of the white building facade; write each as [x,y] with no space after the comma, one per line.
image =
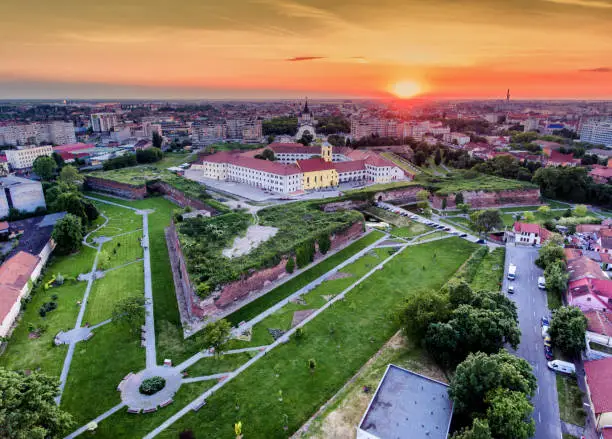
[23,158]
[57,132]
[596,132]
[103,122]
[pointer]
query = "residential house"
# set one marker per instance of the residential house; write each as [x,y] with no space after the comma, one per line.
[530,234]
[599,322]
[590,294]
[599,392]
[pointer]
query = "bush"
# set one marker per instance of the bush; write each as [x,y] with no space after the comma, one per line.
[46,307]
[152,385]
[290,267]
[324,243]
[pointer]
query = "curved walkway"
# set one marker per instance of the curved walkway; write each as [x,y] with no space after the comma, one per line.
[86,237]
[130,388]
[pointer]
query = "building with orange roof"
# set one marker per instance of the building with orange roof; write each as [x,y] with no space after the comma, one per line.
[530,234]
[15,276]
[599,391]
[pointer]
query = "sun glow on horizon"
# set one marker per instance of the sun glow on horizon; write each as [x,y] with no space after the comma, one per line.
[406,89]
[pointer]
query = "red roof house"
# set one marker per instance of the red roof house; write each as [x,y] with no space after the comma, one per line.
[599,322]
[590,294]
[599,390]
[530,234]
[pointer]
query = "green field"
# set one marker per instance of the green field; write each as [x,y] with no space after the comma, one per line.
[338,353]
[218,364]
[459,181]
[490,271]
[279,293]
[410,231]
[111,289]
[122,249]
[570,401]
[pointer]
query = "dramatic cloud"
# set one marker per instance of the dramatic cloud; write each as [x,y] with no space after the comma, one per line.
[598,70]
[583,3]
[304,58]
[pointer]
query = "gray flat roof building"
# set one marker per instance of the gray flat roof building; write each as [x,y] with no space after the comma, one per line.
[407,405]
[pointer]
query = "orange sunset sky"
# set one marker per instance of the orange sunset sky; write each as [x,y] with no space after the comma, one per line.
[291,48]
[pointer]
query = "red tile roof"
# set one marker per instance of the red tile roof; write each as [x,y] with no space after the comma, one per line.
[293,148]
[250,162]
[601,173]
[572,253]
[351,166]
[606,433]
[557,157]
[315,164]
[4,225]
[526,228]
[14,275]
[599,322]
[599,380]
[584,267]
[70,147]
[602,287]
[588,228]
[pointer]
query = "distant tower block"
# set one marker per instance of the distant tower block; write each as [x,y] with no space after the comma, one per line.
[508,96]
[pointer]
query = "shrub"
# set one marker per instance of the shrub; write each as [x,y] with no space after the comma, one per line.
[290,267]
[152,385]
[324,243]
[46,307]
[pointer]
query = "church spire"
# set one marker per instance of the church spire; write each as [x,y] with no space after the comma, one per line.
[306,110]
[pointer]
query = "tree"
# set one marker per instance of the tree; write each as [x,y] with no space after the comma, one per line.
[157,140]
[568,329]
[544,211]
[422,197]
[266,154]
[556,278]
[438,157]
[290,267]
[130,311]
[217,334]
[312,365]
[479,430]
[324,243]
[464,207]
[549,253]
[422,309]
[306,138]
[580,210]
[45,167]
[444,203]
[529,217]
[28,409]
[69,175]
[480,373]
[459,293]
[59,161]
[509,415]
[459,198]
[68,234]
[149,155]
[442,341]
[486,220]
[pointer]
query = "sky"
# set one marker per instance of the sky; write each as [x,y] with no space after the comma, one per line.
[216,49]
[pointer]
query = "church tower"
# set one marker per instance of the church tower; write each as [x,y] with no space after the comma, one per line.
[326,152]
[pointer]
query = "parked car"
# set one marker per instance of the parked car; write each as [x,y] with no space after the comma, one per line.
[545,331]
[547,341]
[562,366]
[548,353]
[481,241]
[511,289]
[463,235]
[544,321]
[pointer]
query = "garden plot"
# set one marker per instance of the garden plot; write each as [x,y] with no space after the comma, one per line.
[255,235]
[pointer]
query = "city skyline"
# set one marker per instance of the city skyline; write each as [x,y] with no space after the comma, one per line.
[283,49]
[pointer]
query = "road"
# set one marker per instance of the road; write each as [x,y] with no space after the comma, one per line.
[532,305]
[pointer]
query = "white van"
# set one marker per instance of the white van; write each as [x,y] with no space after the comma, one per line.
[541,283]
[562,366]
[512,272]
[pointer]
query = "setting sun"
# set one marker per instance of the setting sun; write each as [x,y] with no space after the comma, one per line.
[406,89]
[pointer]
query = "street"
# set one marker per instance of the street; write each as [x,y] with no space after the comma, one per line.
[532,305]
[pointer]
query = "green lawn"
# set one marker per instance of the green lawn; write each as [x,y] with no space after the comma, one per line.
[361,324]
[570,401]
[490,271]
[174,159]
[125,425]
[123,249]
[97,368]
[258,306]
[111,289]
[24,352]
[431,236]
[218,364]
[120,220]
[410,231]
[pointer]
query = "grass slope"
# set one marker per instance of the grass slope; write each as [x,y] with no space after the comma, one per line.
[361,324]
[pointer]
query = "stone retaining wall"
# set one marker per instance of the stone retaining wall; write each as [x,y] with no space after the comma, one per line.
[483,199]
[403,196]
[345,205]
[179,197]
[133,192]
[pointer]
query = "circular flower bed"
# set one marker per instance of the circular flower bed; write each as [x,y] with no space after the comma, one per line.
[152,385]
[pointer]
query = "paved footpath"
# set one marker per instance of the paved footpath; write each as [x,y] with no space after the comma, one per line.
[307,288]
[281,340]
[148,292]
[79,322]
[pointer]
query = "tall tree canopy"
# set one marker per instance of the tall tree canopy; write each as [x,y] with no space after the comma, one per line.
[45,167]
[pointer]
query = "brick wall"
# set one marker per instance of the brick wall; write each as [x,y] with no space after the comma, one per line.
[405,195]
[482,199]
[345,205]
[134,192]
[179,197]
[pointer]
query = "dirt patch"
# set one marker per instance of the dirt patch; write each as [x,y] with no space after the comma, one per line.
[299,316]
[245,335]
[328,297]
[339,275]
[255,235]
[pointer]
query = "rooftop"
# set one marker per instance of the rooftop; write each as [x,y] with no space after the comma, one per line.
[408,405]
[315,164]
[599,380]
[14,275]
[36,232]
